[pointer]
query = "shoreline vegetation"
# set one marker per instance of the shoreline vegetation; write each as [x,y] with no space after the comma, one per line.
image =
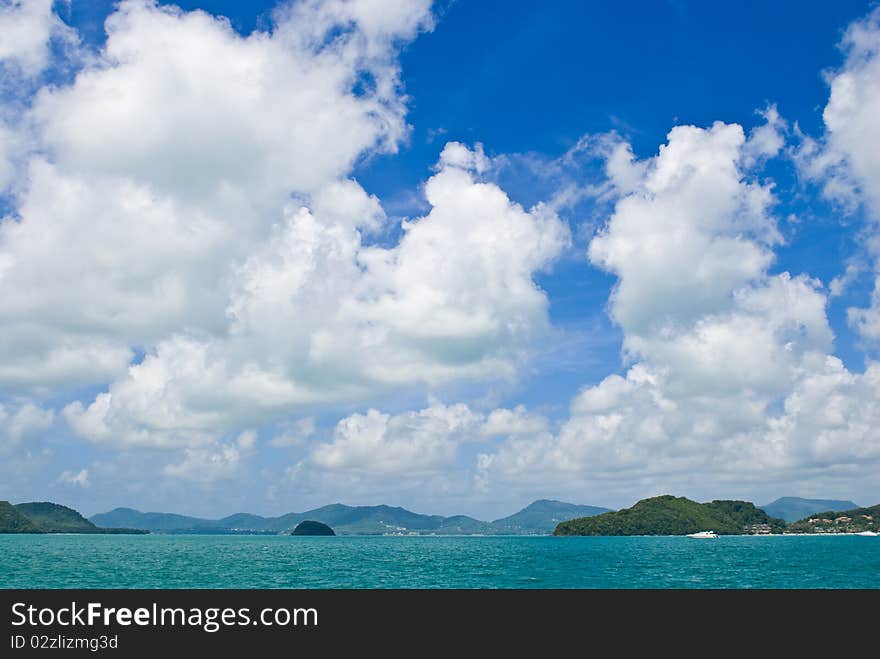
[663,515]
[669,515]
[47,517]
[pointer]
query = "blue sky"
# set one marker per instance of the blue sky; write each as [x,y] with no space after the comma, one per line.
[222,353]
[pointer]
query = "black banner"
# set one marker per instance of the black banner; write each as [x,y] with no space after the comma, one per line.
[131,622]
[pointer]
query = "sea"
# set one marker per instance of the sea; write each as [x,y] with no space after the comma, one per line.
[203,561]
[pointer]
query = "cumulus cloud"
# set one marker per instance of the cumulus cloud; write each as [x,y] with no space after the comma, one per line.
[207,465]
[676,241]
[417,458]
[410,442]
[846,160]
[317,316]
[839,284]
[186,238]
[78,479]
[187,232]
[731,376]
[19,422]
[516,421]
[27,27]
[220,116]
[167,160]
[851,118]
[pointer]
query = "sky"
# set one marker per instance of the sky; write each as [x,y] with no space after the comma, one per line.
[454,256]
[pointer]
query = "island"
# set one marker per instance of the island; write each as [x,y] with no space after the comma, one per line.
[12,520]
[311,527]
[857,520]
[47,517]
[670,515]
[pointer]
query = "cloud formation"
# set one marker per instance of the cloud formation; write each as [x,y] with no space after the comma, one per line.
[186,231]
[78,479]
[846,160]
[166,162]
[410,442]
[189,265]
[28,26]
[731,378]
[316,316]
[19,422]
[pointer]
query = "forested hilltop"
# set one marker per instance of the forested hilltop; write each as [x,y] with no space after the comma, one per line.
[669,515]
[46,517]
[856,520]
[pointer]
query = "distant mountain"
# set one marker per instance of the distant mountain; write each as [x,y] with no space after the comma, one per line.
[669,515]
[243,521]
[539,517]
[792,509]
[134,519]
[55,518]
[542,516]
[47,517]
[374,519]
[12,520]
[464,525]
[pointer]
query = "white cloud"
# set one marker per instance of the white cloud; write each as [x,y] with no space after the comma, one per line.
[188,239]
[516,421]
[867,320]
[846,162]
[180,102]
[678,243]
[10,144]
[247,440]
[315,316]
[207,465]
[410,443]
[78,479]
[27,30]
[188,199]
[840,283]
[27,27]
[295,434]
[732,379]
[851,115]
[691,243]
[167,161]
[767,139]
[456,154]
[19,422]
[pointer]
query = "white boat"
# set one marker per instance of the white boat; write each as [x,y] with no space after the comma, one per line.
[703,534]
[868,533]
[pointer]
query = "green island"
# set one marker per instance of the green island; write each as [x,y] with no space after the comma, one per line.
[46,517]
[311,527]
[670,515]
[857,520]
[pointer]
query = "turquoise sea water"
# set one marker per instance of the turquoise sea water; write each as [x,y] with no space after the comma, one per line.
[177,561]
